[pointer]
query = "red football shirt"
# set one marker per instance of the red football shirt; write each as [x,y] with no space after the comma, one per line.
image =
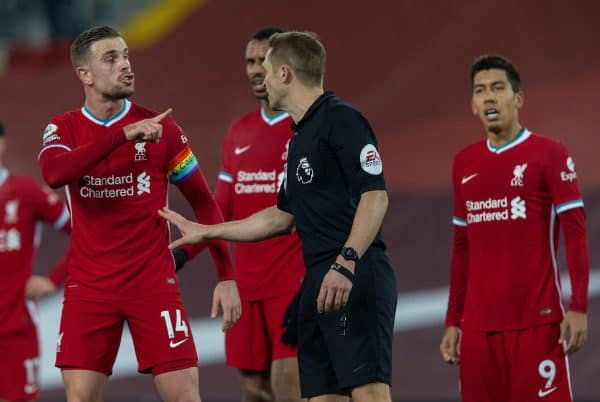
[253,157]
[119,243]
[23,204]
[510,199]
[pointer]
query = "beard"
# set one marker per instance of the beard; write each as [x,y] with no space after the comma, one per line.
[119,92]
[262,96]
[494,128]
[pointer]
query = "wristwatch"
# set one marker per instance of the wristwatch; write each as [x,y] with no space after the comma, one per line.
[349,254]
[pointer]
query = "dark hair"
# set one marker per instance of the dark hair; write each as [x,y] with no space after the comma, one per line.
[81,45]
[266,32]
[1,129]
[488,62]
[303,52]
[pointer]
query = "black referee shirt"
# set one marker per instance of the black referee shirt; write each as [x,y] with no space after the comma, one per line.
[332,160]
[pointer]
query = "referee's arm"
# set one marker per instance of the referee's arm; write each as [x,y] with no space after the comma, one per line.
[335,287]
[367,220]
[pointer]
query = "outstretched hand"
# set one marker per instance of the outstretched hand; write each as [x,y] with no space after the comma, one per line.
[147,129]
[191,232]
[227,298]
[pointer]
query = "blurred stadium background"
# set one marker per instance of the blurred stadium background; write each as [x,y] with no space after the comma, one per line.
[404,63]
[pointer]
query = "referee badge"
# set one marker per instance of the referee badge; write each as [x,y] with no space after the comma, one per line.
[370,161]
[304,172]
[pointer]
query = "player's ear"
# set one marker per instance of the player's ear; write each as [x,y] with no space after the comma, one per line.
[473,107]
[286,73]
[84,75]
[519,99]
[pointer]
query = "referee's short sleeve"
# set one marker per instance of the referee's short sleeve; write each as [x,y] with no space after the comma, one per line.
[355,147]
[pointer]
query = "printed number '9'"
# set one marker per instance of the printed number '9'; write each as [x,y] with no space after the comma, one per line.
[547,370]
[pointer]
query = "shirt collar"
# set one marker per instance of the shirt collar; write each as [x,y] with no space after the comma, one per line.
[311,110]
[271,121]
[521,137]
[111,120]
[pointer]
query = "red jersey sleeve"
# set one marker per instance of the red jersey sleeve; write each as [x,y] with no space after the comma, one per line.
[62,161]
[460,214]
[49,207]
[564,189]
[184,172]
[459,258]
[223,189]
[562,179]
[59,272]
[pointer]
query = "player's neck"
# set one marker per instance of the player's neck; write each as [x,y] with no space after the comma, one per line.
[103,108]
[264,104]
[302,101]
[503,137]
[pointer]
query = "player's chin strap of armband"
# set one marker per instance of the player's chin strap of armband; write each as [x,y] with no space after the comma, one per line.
[291,318]
[343,270]
[180,256]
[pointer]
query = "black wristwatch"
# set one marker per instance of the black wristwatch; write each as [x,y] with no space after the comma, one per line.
[349,254]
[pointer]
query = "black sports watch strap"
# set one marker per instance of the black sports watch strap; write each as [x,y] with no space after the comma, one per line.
[343,270]
[349,254]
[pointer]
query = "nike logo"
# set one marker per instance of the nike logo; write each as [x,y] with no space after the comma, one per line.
[357,369]
[547,392]
[173,345]
[467,178]
[241,150]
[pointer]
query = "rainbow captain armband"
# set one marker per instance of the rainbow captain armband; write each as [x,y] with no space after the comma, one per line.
[182,165]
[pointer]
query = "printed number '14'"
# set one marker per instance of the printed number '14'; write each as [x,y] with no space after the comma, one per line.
[180,325]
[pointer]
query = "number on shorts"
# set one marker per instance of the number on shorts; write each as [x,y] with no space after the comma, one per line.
[547,370]
[31,373]
[180,324]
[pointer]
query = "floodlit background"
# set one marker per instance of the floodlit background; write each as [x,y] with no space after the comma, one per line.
[404,64]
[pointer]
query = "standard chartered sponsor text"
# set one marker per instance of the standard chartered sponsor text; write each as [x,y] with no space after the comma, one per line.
[256,176]
[484,206]
[114,186]
[111,180]
[490,203]
[250,182]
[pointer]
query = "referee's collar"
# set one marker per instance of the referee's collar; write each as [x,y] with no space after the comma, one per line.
[311,110]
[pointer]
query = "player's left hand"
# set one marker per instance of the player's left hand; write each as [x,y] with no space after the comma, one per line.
[227,297]
[575,324]
[335,288]
[38,286]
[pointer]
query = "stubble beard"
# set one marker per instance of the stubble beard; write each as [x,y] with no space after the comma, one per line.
[495,128]
[119,92]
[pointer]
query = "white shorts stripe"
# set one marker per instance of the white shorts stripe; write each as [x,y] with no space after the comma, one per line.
[62,219]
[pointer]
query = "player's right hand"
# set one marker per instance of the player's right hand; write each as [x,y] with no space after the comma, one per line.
[191,232]
[38,286]
[450,345]
[147,129]
[227,297]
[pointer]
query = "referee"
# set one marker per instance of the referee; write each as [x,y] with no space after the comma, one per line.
[334,194]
